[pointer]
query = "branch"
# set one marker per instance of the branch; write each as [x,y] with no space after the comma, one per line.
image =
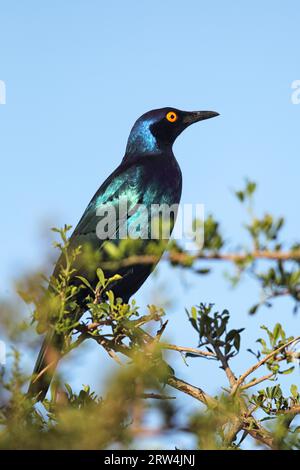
[195,351]
[257,381]
[182,258]
[293,410]
[259,433]
[230,375]
[193,391]
[260,363]
[246,422]
[156,396]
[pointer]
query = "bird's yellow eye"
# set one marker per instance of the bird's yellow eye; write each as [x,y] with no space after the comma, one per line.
[171,116]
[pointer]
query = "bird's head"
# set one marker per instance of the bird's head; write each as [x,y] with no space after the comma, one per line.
[157,130]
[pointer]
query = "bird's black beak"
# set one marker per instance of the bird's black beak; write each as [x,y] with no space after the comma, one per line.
[196,116]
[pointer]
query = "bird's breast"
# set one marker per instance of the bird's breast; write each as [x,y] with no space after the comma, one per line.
[162,185]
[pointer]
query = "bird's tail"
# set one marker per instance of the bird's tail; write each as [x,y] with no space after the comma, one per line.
[45,365]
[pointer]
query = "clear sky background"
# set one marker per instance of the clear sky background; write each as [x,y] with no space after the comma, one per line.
[78,74]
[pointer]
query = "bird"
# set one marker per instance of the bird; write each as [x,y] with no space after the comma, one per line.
[148,174]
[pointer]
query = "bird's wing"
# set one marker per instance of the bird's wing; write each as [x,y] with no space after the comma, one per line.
[128,181]
[122,187]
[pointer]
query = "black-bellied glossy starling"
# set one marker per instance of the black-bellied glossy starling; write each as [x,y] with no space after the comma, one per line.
[148,175]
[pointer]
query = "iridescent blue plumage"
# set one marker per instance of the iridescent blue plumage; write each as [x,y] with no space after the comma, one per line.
[141,138]
[148,175]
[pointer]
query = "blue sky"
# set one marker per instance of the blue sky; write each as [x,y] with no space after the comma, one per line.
[77,76]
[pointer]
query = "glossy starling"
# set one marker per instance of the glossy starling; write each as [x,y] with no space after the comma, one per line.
[148,175]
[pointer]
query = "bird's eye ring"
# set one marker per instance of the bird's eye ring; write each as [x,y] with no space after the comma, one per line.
[171,116]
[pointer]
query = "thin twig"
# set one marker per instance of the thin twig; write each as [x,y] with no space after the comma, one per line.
[195,351]
[193,391]
[260,363]
[293,410]
[257,381]
[156,396]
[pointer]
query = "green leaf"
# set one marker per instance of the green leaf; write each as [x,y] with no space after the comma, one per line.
[237,342]
[287,371]
[240,195]
[85,282]
[69,389]
[254,309]
[294,390]
[115,278]
[112,250]
[194,313]
[250,188]
[101,277]
[111,297]
[276,331]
